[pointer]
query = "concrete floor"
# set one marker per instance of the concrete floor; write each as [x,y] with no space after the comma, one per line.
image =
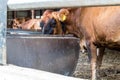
[110,69]
[12,72]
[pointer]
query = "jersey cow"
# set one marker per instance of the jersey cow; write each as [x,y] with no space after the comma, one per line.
[32,24]
[17,22]
[97,27]
[28,24]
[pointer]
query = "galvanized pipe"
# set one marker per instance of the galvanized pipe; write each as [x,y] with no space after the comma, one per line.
[3,24]
[34,4]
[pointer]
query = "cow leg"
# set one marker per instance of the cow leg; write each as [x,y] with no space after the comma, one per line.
[93,51]
[100,53]
[96,61]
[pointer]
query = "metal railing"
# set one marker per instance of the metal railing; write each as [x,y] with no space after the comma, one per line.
[33,4]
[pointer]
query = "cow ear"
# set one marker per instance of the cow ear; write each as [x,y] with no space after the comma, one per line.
[63,14]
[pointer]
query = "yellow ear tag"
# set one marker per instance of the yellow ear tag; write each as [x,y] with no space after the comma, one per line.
[64,18]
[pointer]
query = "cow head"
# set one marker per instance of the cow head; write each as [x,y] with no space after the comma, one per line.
[50,23]
[48,27]
[47,24]
[15,24]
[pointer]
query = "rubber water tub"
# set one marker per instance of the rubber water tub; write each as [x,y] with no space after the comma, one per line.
[52,53]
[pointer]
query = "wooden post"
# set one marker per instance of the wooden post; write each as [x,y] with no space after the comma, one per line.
[14,14]
[3,24]
[32,14]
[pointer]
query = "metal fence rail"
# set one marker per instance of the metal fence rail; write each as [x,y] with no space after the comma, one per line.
[34,4]
[3,19]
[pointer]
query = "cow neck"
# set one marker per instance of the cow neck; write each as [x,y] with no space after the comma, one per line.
[74,21]
[58,25]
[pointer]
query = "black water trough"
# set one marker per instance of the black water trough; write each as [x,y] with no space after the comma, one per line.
[51,53]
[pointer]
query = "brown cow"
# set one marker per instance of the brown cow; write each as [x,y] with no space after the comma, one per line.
[28,24]
[97,27]
[18,21]
[32,24]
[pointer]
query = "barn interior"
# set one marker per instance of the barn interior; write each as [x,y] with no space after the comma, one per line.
[110,68]
[35,50]
[23,14]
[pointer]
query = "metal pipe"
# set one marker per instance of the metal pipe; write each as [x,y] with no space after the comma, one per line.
[34,4]
[3,24]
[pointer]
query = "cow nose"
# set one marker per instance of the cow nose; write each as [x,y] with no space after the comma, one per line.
[43,30]
[48,27]
[42,27]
